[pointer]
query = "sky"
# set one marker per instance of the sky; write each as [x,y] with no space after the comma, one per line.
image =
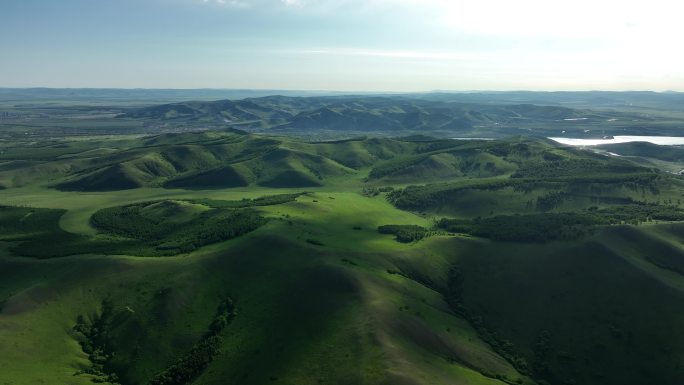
[344,45]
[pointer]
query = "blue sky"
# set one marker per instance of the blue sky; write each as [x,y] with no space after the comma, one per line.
[347,45]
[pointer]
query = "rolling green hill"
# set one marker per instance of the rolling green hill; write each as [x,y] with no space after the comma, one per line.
[232,158]
[225,257]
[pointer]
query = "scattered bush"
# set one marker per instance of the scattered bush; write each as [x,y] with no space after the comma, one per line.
[314,242]
[404,233]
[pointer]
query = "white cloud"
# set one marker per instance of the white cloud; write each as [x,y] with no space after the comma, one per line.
[560,43]
[231,3]
[525,17]
[257,3]
[394,54]
[293,3]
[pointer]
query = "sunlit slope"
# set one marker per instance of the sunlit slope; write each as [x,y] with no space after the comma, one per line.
[306,313]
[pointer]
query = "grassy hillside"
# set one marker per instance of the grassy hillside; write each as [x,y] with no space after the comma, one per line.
[226,257]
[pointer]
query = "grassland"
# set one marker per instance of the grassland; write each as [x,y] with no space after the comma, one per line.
[317,294]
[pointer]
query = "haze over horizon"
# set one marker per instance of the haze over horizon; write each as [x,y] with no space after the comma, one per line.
[343,45]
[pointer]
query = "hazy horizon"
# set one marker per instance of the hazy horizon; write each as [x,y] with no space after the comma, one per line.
[337,91]
[392,46]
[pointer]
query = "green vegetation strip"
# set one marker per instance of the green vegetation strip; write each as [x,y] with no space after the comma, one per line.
[270,200]
[160,235]
[420,197]
[559,226]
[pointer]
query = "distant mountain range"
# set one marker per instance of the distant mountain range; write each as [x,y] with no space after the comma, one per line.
[577,98]
[368,114]
[330,115]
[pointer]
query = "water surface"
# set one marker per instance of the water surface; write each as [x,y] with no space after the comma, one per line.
[660,140]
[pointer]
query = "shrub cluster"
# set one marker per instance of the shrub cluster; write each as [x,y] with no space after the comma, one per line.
[547,227]
[95,341]
[270,200]
[568,167]
[404,233]
[191,365]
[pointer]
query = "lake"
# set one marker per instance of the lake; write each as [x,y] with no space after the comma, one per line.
[661,140]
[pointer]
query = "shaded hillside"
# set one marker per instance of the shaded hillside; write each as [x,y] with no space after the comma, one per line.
[571,313]
[223,177]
